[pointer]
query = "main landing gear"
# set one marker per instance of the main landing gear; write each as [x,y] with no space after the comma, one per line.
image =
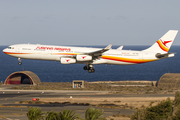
[20,63]
[90,68]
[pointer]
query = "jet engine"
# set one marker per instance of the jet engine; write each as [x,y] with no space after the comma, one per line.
[67,60]
[83,57]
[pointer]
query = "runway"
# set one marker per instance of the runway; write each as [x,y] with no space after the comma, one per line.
[8,97]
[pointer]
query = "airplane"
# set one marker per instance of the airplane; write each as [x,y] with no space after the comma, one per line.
[91,56]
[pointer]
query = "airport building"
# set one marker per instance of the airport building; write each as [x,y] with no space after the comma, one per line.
[169,81]
[22,77]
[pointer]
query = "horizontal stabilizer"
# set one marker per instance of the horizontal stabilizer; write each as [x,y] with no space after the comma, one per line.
[166,55]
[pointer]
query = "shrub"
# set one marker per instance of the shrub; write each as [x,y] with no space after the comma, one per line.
[177,99]
[177,113]
[139,114]
[161,111]
[94,114]
[53,116]
[68,115]
[35,114]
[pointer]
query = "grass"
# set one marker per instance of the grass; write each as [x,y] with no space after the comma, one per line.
[122,115]
[17,106]
[11,114]
[118,87]
[106,105]
[114,87]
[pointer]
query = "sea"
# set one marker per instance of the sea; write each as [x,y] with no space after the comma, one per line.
[51,71]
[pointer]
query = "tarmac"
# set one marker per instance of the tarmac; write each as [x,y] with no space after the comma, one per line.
[8,97]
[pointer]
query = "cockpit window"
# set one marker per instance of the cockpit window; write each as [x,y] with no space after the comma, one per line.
[10,47]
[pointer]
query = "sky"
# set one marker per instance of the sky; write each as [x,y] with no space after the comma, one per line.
[87,22]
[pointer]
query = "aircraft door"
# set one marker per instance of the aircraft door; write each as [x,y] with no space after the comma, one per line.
[17,49]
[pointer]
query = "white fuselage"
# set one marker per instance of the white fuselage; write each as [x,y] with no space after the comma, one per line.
[56,53]
[90,56]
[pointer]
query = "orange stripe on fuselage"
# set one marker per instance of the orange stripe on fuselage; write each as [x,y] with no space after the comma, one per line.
[128,60]
[162,46]
[16,53]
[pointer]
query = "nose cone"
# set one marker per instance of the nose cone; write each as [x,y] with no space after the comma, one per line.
[5,51]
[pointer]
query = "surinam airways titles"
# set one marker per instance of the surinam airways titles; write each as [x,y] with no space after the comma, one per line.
[53,48]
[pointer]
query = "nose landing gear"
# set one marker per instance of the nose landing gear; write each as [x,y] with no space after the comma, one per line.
[20,63]
[90,68]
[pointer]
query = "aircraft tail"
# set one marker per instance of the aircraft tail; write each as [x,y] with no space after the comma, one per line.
[164,43]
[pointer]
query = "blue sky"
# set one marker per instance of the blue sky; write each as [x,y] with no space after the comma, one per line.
[83,22]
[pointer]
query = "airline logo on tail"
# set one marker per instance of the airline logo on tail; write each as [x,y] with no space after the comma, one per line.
[162,45]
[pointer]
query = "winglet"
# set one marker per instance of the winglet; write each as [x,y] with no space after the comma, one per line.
[120,48]
[108,47]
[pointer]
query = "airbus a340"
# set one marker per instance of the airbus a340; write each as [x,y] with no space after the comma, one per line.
[91,56]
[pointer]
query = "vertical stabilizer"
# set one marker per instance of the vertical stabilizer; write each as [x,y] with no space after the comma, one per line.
[164,43]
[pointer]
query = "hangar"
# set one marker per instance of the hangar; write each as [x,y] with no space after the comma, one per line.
[169,80]
[22,77]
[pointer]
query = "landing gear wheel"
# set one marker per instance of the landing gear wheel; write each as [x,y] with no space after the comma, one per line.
[85,67]
[91,70]
[20,63]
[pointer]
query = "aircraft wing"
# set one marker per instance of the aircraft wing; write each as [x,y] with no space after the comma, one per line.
[99,52]
[86,56]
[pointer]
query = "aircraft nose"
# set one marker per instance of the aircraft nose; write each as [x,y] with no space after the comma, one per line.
[4,51]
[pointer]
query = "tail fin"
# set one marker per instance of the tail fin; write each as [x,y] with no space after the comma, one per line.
[164,43]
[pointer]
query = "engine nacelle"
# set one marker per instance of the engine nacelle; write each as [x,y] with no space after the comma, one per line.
[67,60]
[83,57]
